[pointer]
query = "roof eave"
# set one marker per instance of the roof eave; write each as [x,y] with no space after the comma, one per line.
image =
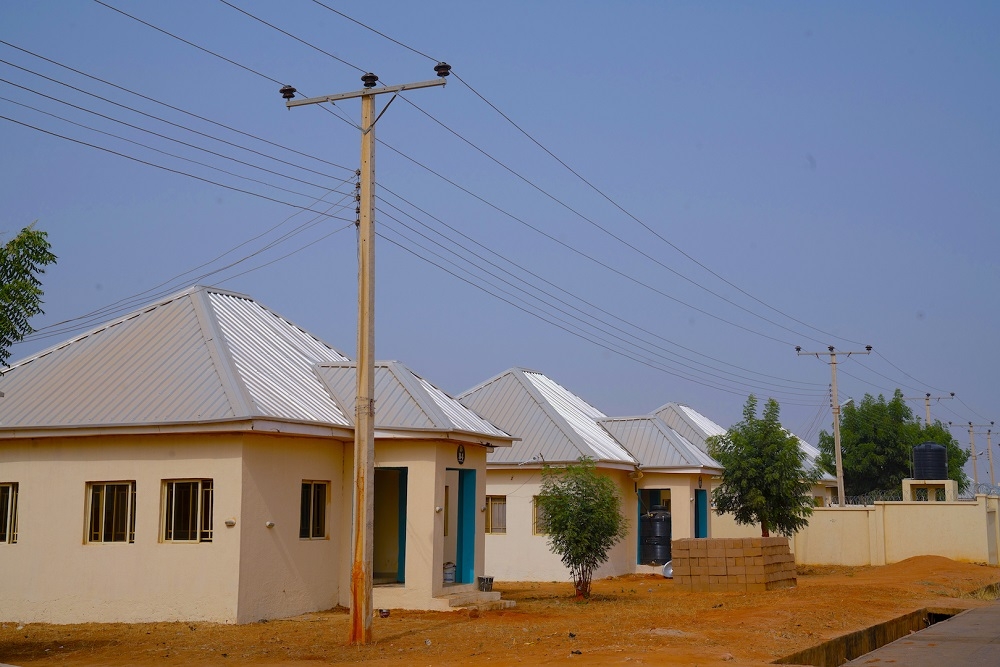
[236,425]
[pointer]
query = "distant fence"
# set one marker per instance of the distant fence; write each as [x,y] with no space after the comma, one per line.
[873,497]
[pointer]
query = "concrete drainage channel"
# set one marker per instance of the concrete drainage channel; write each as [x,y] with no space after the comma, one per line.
[838,651]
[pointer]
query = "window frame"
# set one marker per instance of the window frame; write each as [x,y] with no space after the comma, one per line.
[308,523]
[493,501]
[8,516]
[204,512]
[102,515]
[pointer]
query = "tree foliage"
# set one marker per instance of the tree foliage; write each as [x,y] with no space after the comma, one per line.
[877,438]
[764,477]
[582,514]
[22,260]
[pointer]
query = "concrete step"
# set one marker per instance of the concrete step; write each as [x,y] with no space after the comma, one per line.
[478,599]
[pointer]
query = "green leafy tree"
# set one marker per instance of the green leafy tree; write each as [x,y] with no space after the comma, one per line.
[877,438]
[582,513]
[764,478]
[23,259]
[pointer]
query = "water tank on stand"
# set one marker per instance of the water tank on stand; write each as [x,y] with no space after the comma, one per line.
[930,461]
[654,536]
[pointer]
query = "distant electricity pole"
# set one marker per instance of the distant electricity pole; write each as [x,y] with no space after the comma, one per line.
[364,406]
[989,451]
[841,498]
[927,398]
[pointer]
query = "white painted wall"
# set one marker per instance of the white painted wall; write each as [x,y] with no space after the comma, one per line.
[52,575]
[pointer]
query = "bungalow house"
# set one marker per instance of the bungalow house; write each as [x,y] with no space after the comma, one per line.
[193,461]
[650,464]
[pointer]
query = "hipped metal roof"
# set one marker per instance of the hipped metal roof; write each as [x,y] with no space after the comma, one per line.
[406,401]
[206,355]
[697,428]
[554,424]
[656,445]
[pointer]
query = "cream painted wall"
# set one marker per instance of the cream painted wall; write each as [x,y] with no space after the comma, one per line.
[724,525]
[427,464]
[889,532]
[519,555]
[52,575]
[280,573]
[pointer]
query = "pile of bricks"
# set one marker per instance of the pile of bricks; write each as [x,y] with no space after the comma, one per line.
[733,564]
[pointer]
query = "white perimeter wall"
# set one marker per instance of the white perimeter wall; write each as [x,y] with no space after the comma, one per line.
[52,575]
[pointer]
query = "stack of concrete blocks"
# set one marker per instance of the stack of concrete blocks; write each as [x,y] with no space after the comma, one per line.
[733,564]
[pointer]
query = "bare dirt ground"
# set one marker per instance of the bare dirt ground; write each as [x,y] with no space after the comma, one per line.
[635,620]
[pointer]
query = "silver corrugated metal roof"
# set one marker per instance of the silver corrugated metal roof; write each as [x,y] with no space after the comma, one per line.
[656,445]
[690,423]
[697,428]
[553,423]
[404,400]
[199,355]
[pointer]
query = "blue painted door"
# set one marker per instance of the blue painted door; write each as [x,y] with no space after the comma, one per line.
[700,513]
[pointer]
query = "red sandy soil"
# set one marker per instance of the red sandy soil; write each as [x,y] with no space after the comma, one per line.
[634,620]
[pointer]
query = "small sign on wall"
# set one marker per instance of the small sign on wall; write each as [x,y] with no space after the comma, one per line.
[461,454]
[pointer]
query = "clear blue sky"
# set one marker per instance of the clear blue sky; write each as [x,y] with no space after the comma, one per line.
[835,161]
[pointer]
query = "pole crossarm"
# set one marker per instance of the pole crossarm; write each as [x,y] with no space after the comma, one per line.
[972,449]
[364,92]
[832,353]
[927,398]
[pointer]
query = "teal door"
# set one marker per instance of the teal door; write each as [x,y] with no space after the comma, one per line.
[700,513]
[465,558]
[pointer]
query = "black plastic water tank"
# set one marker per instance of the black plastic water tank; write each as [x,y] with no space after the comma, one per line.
[930,461]
[654,536]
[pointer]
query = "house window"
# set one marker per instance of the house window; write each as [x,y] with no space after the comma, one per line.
[496,515]
[8,513]
[312,521]
[187,510]
[538,523]
[111,512]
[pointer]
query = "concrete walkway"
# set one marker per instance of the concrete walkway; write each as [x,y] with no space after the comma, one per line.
[970,639]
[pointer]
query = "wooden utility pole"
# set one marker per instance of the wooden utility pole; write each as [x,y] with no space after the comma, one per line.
[364,406]
[927,398]
[972,445]
[841,499]
[989,453]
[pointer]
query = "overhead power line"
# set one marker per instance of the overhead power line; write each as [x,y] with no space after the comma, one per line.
[589,184]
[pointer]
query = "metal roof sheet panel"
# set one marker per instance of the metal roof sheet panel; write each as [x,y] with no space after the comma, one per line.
[198,355]
[553,423]
[151,366]
[405,400]
[655,444]
[275,360]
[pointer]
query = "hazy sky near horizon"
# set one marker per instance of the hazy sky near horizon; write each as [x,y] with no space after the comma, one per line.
[749,177]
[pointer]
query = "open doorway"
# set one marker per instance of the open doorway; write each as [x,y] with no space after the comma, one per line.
[389,526]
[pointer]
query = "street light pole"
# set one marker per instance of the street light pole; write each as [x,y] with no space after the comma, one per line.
[362,542]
